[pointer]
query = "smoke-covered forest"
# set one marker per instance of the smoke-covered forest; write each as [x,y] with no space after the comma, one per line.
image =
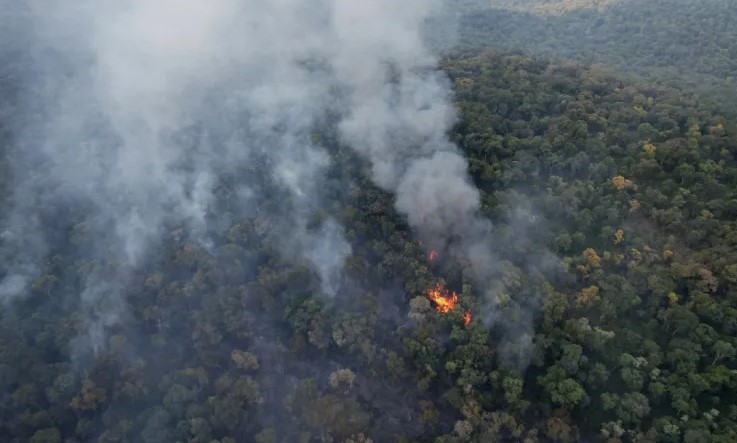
[368,221]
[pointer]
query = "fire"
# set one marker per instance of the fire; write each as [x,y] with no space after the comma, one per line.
[467,318]
[445,300]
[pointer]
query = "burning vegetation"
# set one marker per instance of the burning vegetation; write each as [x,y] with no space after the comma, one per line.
[445,300]
[467,318]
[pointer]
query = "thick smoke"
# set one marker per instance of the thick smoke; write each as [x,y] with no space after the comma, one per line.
[140,107]
[399,115]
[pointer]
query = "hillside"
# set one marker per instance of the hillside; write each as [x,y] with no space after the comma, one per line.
[613,205]
[687,44]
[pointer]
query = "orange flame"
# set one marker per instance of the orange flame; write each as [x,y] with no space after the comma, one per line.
[432,255]
[467,318]
[444,299]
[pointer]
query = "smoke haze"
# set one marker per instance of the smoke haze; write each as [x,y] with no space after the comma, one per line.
[137,109]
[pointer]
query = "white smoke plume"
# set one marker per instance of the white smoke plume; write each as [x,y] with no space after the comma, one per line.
[399,115]
[142,105]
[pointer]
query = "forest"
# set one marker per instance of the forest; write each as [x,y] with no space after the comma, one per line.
[611,196]
[683,43]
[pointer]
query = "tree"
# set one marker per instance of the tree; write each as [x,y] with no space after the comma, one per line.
[336,417]
[512,386]
[244,360]
[90,397]
[572,358]
[722,350]
[266,436]
[342,379]
[620,182]
[633,407]
[48,435]
[589,295]
[562,390]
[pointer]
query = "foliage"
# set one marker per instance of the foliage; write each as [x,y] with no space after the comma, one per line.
[691,44]
[633,340]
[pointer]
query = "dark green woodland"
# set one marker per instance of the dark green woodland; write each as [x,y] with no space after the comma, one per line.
[608,168]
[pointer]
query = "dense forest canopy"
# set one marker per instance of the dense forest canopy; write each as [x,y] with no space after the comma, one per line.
[689,44]
[218,242]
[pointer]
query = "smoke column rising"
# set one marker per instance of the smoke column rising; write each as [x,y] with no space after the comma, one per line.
[399,114]
[146,103]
